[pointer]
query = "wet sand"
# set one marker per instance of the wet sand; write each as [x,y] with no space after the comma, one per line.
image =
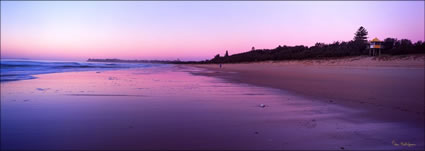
[387,89]
[357,82]
[174,107]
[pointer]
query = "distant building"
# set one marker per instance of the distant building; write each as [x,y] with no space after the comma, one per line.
[375,47]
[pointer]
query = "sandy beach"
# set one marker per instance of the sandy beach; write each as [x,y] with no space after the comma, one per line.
[203,107]
[219,75]
[395,83]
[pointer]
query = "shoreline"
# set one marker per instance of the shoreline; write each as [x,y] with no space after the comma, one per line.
[394,84]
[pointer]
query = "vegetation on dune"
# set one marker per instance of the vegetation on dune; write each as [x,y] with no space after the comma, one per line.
[356,47]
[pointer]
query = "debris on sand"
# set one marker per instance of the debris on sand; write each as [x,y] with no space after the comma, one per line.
[41,89]
[112,78]
[262,105]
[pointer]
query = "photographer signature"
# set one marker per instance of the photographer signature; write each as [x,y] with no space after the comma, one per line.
[402,144]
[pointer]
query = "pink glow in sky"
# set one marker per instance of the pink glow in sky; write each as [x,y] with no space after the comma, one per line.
[77,30]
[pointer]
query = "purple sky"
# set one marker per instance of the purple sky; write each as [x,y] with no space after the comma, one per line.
[73,30]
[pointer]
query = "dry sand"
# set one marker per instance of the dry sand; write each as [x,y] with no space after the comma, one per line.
[370,83]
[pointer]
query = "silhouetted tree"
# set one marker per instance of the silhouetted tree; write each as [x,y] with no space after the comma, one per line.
[419,44]
[405,43]
[217,56]
[279,47]
[318,44]
[361,34]
[360,40]
[389,43]
[253,48]
[227,54]
[397,44]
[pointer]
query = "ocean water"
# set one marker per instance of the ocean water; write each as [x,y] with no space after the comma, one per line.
[19,69]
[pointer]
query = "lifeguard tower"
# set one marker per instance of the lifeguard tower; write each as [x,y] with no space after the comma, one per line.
[375,47]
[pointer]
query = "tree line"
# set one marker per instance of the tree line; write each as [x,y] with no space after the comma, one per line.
[356,47]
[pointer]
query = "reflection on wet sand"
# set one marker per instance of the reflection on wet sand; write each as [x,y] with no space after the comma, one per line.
[169,108]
